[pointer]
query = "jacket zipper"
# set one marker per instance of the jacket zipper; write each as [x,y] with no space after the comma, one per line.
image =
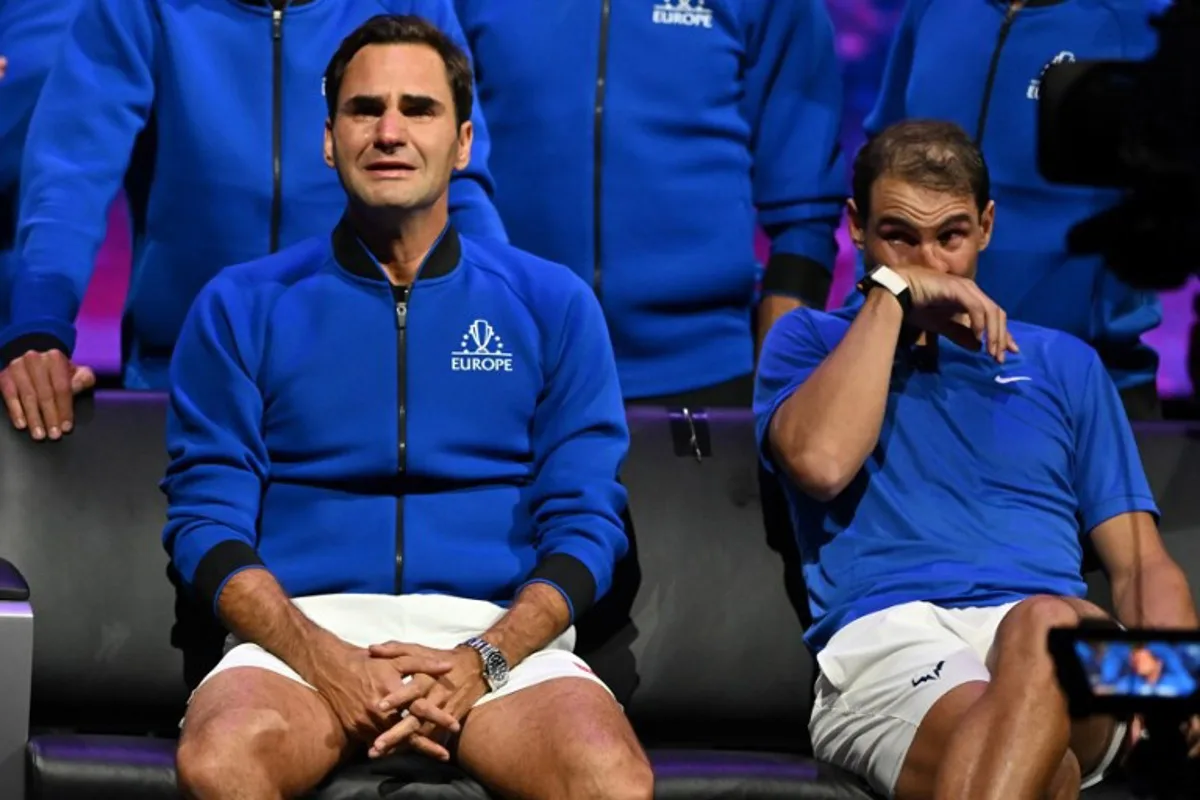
[597,142]
[401,295]
[277,120]
[1009,16]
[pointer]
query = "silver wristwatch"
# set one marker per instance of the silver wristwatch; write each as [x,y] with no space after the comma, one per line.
[495,665]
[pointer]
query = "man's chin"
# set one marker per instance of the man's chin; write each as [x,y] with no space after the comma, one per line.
[392,202]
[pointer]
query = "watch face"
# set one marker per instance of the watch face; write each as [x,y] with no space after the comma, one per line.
[496,668]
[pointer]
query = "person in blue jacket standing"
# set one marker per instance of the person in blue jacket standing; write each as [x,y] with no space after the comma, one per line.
[979,63]
[405,574]
[218,103]
[639,141]
[30,34]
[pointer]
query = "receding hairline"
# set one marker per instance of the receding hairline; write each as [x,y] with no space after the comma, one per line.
[934,155]
[948,189]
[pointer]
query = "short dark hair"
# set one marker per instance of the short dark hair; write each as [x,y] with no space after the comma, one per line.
[928,153]
[403,29]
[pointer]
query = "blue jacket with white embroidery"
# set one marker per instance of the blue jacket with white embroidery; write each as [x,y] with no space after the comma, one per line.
[219,103]
[979,63]
[638,142]
[462,437]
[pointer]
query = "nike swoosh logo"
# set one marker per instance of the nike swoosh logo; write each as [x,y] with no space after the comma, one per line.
[1012,378]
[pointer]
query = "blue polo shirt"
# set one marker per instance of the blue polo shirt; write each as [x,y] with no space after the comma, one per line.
[982,483]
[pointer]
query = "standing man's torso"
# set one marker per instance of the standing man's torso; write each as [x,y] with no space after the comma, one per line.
[621,148]
[980,65]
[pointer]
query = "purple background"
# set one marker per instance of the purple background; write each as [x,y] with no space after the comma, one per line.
[864,29]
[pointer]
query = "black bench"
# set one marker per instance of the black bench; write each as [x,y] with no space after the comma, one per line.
[701,642]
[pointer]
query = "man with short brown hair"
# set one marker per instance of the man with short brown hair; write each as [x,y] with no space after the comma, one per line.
[939,462]
[394,456]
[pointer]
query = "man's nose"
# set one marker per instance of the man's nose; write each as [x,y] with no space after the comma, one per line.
[391,131]
[929,255]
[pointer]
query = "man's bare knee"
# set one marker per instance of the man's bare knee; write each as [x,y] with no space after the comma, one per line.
[616,772]
[1027,626]
[227,755]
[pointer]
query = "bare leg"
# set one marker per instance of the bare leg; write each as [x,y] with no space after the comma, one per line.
[564,739]
[918,776]
[1013,740]
[966,739]
[1065,785]
[251,734]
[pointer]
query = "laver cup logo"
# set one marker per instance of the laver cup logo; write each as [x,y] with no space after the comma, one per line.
[689,13]
[481,350]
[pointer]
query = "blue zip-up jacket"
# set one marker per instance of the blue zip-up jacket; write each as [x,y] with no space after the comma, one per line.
[225,178]
[30,35]
[978,63]
[633,141]
[462,438]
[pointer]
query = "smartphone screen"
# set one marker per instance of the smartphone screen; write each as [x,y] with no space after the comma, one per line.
[1152,668]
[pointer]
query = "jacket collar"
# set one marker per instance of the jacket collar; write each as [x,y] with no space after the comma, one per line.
[349,252]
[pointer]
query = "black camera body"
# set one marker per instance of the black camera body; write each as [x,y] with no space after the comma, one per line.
[1133,125]
[1153,674]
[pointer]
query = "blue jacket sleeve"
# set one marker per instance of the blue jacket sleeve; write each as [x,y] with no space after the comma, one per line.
[889,105]
[471,190]
[580,439]
[218,461]
[96,99]
[793,100]
[30,36]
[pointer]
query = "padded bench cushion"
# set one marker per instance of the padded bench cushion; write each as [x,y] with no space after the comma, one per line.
[139,768]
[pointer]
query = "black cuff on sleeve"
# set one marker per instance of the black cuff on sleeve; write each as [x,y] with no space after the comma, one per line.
[37,342]
[799,277]
[573,579]
[218,565]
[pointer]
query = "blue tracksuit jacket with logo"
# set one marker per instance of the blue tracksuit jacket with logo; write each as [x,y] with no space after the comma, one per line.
[639,141]
[224,100]
[462,437]
[978,63]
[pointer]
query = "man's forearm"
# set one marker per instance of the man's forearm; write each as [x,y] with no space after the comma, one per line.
[1156,596]
[255,608]
[538,616]
[829,426]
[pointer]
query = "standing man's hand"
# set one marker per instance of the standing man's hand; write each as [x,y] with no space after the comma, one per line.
[770,310]
[956,308]
[3,67]
[39,391]
[455,693]
[355,684]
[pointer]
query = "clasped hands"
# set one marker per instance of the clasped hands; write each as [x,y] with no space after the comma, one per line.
[394,696]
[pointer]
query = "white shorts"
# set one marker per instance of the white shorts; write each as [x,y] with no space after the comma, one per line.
[882,673]
[430,620]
